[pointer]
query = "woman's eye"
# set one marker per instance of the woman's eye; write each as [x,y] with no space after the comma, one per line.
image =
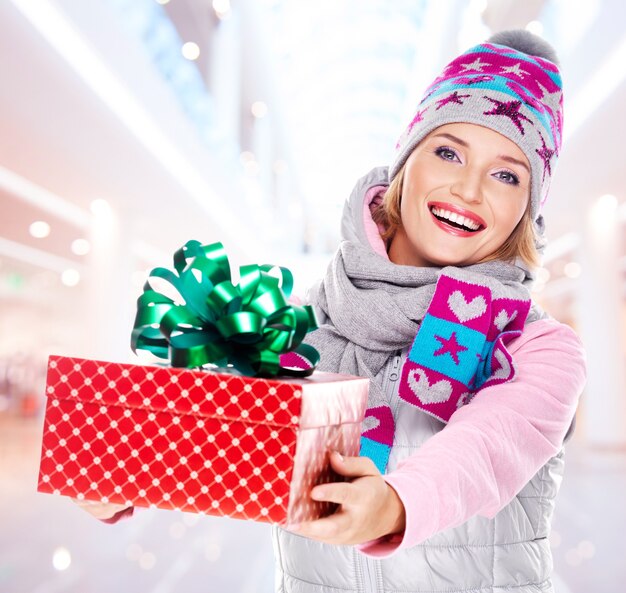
[446,153]
[507,177]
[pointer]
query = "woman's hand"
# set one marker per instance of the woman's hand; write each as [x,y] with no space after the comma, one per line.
[100,510]
[369,507]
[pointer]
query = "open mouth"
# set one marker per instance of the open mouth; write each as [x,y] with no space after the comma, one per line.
[456,220]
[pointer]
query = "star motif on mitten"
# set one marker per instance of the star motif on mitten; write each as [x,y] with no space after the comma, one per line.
[509,109]
[545,154]
[451,346]
[453,98]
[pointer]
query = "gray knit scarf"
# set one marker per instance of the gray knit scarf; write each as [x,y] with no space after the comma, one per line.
[373,308]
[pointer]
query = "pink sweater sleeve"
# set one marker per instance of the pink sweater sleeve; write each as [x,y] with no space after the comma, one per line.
[493,446]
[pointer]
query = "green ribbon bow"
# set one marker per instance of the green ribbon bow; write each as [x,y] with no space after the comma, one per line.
[247,326]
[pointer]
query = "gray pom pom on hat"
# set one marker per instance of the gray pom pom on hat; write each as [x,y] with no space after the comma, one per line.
[525,42]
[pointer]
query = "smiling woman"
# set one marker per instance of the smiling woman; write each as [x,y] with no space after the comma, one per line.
[427,296]
[458,199]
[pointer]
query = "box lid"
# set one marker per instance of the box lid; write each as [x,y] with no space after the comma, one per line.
[322,399]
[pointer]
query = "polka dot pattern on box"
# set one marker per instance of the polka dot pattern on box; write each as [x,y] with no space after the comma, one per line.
[192,440]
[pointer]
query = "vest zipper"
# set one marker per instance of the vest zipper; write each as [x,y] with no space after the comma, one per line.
[394,371]
[368,565]
[392,377]
[368,572]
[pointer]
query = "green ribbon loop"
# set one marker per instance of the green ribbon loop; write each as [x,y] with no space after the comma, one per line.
[248,325]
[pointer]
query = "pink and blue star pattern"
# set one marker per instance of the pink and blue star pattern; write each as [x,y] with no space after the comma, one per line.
[459,349]
[532,81]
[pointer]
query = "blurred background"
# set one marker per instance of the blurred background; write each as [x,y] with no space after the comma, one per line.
[128,127]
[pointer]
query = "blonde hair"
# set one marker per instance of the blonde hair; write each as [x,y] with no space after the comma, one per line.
[520,243]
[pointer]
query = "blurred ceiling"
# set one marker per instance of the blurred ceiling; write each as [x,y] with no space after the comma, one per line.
[90,109]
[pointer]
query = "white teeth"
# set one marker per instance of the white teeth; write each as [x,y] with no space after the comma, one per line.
[456,218]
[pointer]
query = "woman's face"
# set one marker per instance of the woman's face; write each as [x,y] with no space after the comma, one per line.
[465,188]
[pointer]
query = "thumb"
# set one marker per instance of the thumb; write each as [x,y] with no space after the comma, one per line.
[353,467]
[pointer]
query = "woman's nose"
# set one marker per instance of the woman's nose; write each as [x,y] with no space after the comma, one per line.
[467,186]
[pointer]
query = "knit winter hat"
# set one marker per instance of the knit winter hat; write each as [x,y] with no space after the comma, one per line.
[511,84]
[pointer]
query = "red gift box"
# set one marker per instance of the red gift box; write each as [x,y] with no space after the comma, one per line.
[196,440]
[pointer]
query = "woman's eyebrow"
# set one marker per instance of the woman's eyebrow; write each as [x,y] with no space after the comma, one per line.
[504,157]
[451,137]
[510,159]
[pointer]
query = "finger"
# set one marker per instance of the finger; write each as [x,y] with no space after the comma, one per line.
[329,529]
[337,492]
[353,467]
[100,510]
[104,511]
